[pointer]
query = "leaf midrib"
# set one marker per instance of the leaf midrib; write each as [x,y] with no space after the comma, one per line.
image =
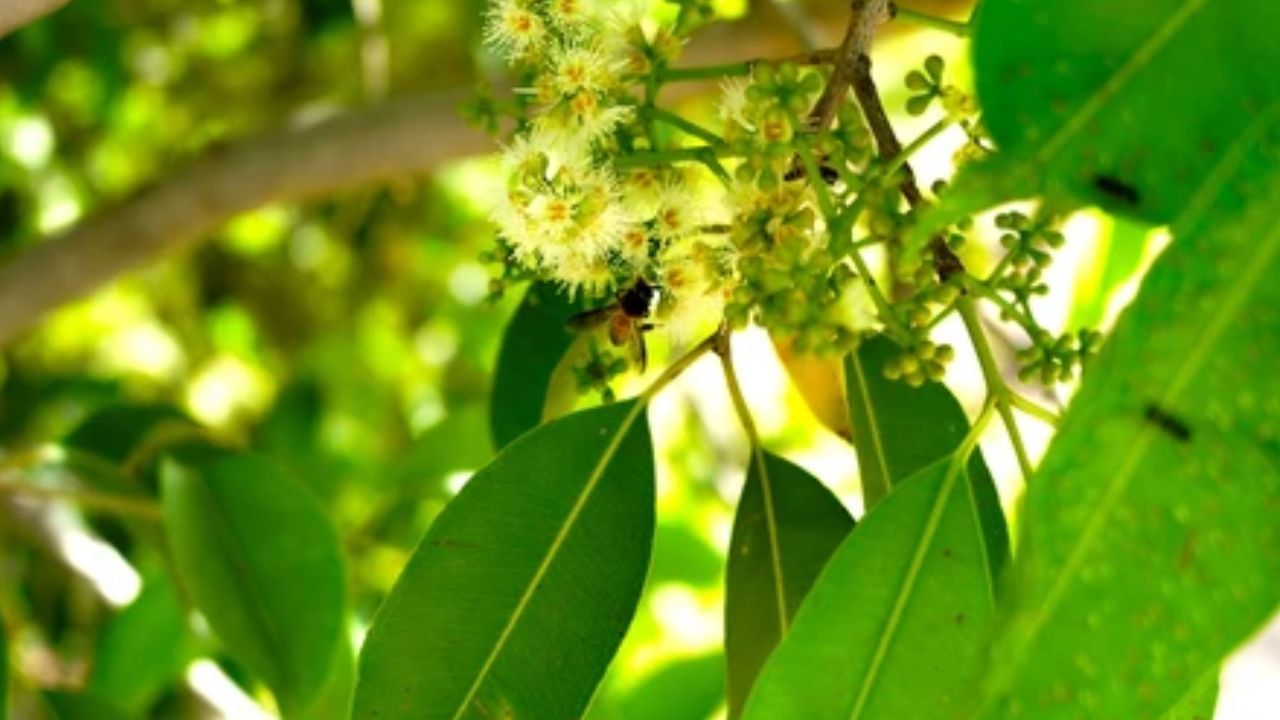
[954,469]
[242,578]
[873,430]
[775,545]
[597,473]
[1143,55]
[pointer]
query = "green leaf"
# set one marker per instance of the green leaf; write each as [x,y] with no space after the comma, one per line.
[899,430]
[786,527]
[83,706]
[143,649]
[1199,702]
[518,596]
[685,689]
[532,346]
[896,625]
[261,562]
[1151,545]
[115,432]
[4,670]
[1119,103]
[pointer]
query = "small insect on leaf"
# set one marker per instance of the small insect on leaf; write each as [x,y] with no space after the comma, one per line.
[1176,428]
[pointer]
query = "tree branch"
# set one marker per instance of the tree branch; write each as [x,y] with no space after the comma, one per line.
[16,13]
[345,151]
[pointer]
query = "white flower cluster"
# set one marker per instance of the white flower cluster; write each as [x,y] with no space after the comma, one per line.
[564,212]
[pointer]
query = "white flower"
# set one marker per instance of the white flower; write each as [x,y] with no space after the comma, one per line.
[679,213]
[584,67]
[734,103]
[514,28]
[695,286]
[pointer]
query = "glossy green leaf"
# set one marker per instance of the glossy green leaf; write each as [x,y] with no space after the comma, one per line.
[143,649]
[261,562]
[684,689]
[84,706]
[899,430]
[1115,103]
[1199,702]
[896,625]
[532,346]
[786,527]
[1151,545]
[518,596]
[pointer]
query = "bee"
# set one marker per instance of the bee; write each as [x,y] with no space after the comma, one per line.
[626,317]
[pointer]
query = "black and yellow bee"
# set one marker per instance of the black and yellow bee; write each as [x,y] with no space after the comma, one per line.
[626,316]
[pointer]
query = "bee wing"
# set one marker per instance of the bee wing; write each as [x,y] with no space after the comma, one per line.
[639,352]
[589,319]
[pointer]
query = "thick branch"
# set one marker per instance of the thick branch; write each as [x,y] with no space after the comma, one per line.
[16,13]
[346,151]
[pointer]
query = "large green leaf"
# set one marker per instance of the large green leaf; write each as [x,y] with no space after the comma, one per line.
[1115,102]
[518,596]
[143,649]
[899,430]
[262,563]
[1123,104]
[787,525]
[532,346]
[1151,545]
[896,625]
[83,706]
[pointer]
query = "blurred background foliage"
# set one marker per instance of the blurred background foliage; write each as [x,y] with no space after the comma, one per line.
[351,339]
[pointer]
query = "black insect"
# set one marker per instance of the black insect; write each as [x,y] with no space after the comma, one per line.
[1117,189]
[626,317]
[1177,429]
[828,174]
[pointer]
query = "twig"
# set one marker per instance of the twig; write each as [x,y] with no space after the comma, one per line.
[997,391]
[88,499]
[740,69]
[959,29]
[945,262]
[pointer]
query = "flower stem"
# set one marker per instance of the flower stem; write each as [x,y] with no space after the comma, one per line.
[689,127]
[955,27]
[88,499]
[997,391]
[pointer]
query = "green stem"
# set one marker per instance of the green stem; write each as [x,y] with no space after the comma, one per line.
[914,146]
[144,509]
[997,391]
[1034,409]
[825,202]
[650,158]
[741,69]
[673,371]
[955,27]
[689,127]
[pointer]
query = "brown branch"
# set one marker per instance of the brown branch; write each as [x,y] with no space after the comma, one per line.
[945,262]
[853,69]
[345,151]
[16,13]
